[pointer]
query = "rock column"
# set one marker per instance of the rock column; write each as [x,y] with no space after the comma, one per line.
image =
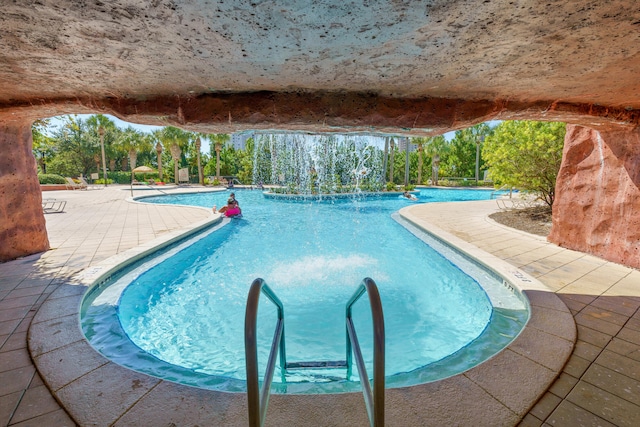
[597,205]
[22,224]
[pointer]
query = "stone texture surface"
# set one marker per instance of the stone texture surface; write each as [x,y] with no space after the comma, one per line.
[598,194]
[424,66]
[22,224]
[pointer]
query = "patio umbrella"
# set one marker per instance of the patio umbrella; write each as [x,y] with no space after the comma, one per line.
[140,169]
[143,169]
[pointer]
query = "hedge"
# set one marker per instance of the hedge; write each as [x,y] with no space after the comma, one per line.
[50,178]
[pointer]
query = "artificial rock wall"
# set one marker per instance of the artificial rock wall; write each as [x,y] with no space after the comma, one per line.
[597,205]
[22,224]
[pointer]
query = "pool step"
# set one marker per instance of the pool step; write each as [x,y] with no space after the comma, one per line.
[322,364]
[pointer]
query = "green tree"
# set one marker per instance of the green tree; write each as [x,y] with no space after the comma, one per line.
[245,159]
[262,160]
[77,148]
[217,144]
[461,159]
[131,143]
[43,145]
[176,143]
[397,160]
[190,153]
[161,161]
[229,161]
[146,148]
[437,149]
[111,134]
[418,158]
[526,155]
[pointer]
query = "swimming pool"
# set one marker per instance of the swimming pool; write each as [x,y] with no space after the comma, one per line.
[313,255]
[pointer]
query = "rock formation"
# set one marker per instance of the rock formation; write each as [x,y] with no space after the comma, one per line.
[22,224]
[597,206]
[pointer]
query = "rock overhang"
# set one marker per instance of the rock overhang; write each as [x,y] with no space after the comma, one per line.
[415,67]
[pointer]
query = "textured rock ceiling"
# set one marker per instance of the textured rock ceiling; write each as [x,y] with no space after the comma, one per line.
[425,66]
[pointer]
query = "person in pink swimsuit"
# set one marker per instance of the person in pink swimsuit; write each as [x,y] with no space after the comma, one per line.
[231,209]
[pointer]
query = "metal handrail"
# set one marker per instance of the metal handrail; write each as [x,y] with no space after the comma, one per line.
[373,401]
[259,400]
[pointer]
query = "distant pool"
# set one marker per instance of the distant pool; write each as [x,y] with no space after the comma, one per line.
[185,308]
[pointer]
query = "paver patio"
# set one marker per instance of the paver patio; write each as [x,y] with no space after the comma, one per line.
[600,384]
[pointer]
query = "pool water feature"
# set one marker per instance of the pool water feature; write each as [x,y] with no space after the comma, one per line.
[319,164]
[184,310]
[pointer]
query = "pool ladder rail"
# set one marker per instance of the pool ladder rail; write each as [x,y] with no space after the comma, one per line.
[258,399]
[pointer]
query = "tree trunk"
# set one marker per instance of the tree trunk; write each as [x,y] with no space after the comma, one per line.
[159,152]
[218,161]
[175,154]
[198,146]
[419,164]
[385,160]
[406,165]
[133,158]
[391,156]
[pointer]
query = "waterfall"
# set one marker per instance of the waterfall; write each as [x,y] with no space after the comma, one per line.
[319,164]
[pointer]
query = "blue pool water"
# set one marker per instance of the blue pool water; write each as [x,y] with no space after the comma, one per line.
[187,308]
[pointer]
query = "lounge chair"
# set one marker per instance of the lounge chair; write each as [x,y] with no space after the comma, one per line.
[53,205]
[87,185]
[72,185]
[517,200]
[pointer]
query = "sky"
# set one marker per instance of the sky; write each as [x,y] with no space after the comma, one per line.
[58,121]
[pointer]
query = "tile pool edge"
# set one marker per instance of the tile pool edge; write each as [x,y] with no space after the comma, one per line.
[497,392]
[514,277]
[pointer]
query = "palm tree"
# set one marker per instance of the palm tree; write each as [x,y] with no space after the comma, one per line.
[435,148]
[175,154]
[385,159]
[156,136]
[198,146]
[406,161]
[131,142]
[43,145]
[392,150]
[218,141]
[177,141]
[420,143]
[479,133]
[107,130]
[159,154]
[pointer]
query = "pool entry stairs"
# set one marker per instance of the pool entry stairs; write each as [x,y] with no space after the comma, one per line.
[258,399]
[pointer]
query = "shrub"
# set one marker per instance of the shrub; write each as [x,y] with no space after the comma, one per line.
[117,177]
[50,178]
[468,182]
[143,177]
[211,181]
[101,181]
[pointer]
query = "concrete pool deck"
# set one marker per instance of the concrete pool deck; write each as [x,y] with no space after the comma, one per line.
[600,384]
